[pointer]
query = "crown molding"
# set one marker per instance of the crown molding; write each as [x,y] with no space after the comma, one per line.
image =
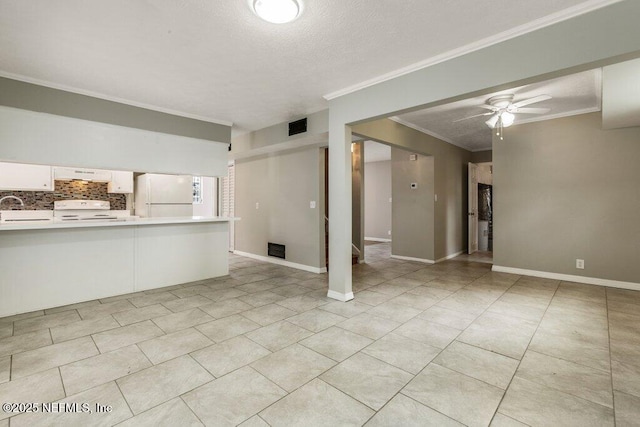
[537,24]
[92,94]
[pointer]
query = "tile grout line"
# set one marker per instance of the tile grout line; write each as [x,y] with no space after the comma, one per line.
[421,370]
[525,352]
[181,397]
[431,361]
[133,414]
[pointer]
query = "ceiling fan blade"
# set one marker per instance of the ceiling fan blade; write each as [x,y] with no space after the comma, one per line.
[533,100]
[533,110]
[471,117]
[488,107]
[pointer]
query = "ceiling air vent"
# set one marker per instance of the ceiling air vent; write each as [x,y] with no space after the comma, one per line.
[299,126]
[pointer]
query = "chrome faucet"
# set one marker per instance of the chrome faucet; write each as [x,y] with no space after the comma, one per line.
[11,197]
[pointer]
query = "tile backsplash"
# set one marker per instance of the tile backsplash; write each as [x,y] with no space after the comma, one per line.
[64,190]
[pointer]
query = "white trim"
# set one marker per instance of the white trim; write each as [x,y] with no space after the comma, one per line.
[427,131]
[450,256]
[568,278]
[377,239]
[408,258]
[534,25]
[285,263]
[339,296]
[98,95]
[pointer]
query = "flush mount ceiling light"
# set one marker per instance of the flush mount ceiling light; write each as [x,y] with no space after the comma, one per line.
[277,11]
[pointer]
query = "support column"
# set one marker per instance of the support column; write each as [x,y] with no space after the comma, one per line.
[339,211]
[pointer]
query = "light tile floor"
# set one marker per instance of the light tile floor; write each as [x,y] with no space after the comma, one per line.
[448,344]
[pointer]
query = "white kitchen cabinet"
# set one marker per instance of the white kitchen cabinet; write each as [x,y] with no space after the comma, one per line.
[19,176]
[121,182]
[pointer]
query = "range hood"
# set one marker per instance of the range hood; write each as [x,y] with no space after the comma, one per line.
[70,174]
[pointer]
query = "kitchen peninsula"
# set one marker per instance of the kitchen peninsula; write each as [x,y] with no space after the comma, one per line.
[46,264]
[50,264]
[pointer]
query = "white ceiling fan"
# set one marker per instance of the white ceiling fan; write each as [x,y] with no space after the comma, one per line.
[503,109]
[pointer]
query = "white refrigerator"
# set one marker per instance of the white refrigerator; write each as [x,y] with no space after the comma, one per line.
[164,195]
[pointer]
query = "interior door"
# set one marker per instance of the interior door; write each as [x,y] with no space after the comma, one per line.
[473,208]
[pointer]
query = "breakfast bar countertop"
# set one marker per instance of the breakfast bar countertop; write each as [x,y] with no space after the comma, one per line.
[119,222]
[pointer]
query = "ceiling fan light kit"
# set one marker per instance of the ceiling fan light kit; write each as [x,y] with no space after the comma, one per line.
[503,111]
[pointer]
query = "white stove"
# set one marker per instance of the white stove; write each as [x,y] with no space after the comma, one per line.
[82,210]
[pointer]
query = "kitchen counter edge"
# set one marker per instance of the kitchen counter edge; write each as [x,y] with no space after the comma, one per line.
[114,223]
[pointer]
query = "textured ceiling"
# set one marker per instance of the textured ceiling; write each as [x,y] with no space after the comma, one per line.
[573,94]
[216,60]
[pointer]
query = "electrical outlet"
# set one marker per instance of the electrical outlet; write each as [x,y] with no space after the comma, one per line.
[390,199]
[312,204]
[580,264]
[436,197]
[257,205]
[389,232]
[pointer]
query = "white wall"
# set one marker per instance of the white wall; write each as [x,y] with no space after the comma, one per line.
[377,200]
[31,137]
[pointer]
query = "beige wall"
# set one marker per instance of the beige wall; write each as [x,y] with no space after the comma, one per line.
[412,209]
[566,189]
[481,156]
[450,179]
[377,192]
[357,192]
[283,185]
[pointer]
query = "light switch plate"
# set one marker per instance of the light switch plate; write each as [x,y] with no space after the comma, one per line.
[312,204]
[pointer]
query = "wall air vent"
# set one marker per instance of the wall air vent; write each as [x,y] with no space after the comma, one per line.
[276,250]
[299,126]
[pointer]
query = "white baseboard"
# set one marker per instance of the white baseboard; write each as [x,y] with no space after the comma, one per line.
[450,256]
[339,296]
[408,258]
[377,239]
[317,270]
[569,278]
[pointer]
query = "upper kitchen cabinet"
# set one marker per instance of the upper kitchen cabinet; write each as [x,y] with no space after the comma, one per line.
[121,182]
[18,176]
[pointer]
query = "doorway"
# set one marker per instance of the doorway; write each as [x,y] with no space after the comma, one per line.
[480,245]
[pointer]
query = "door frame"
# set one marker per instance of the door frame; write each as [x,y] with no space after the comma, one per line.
[472,210]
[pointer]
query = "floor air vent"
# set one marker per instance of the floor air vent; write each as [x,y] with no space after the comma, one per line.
[276,250]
